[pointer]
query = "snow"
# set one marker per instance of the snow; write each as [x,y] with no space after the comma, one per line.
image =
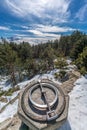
[78,105]
[86,76]
[9,98]
[10,110]
[4,83]
[52,72]
[24,83]
[2,104]
[49,76]
[77,118]
[71,67]
[68,61]
[12,97]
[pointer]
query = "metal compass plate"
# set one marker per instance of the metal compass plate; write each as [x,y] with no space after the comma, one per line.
[43,101]
[37,99]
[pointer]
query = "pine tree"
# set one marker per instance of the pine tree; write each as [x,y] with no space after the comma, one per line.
[7,60]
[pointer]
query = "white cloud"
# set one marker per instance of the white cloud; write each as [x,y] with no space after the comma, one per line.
[36,32]
[48,31]
[56,10]
[4,28]
[24,27]
[33,40]
[48,13]
[82,13]
[50,28]
[42,34]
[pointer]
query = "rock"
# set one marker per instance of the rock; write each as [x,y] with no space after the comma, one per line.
[5,124]
[16,124]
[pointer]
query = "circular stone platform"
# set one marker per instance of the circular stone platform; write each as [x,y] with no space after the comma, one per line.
[42,103]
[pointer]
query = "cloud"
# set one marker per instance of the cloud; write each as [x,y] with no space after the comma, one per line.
[4,28]
[24,27]
[82,13]
[41,34]
[41,17]
[56,10]
[49,31]
[36,32]
[43,31]
[32,41]
[50,28]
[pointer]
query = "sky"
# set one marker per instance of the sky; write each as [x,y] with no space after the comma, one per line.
[41,20]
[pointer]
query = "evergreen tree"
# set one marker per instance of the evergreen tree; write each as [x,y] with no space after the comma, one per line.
[7,60]
[81,62]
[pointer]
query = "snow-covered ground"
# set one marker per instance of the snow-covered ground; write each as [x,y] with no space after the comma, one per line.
[4,83]
[2,104]
[10,110]
[77,117]
[6,114]
[8,98]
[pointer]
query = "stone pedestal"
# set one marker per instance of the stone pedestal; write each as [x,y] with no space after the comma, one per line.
[44,126]
[52,125]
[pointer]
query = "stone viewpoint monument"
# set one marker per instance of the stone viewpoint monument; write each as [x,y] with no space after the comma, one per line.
[43,105]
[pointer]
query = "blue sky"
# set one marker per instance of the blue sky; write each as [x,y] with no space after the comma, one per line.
[41,20]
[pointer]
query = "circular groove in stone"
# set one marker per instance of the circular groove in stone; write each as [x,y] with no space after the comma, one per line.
[45,85]
[37,117]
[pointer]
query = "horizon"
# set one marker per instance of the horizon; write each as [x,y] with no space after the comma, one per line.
[41,20]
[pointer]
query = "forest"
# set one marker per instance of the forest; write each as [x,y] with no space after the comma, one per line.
[19,60]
